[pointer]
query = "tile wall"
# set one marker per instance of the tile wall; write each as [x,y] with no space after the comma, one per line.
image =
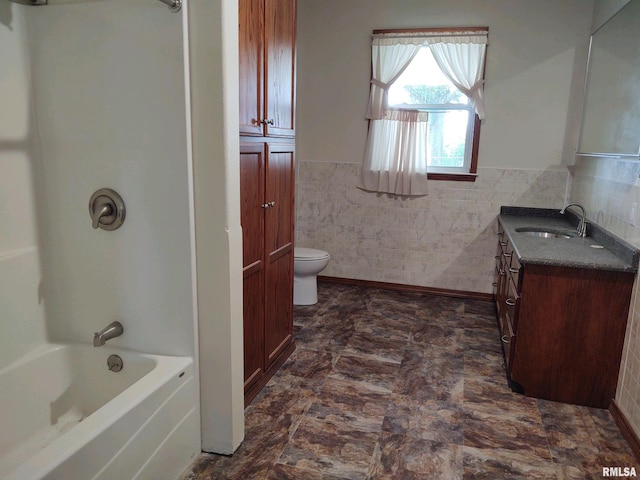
[610,191]
[444,240]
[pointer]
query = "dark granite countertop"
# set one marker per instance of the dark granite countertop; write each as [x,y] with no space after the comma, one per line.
[599,250]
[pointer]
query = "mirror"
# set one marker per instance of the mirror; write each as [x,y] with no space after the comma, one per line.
[611,110]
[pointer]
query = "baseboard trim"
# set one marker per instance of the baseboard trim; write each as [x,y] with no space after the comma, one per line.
[488,297]
[625,428]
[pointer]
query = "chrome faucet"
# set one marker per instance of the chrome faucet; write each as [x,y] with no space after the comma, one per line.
[582,225]
[113,330]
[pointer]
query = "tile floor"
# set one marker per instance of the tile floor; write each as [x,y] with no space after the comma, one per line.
[389,385]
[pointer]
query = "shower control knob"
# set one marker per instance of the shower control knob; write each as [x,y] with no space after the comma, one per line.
[106,209]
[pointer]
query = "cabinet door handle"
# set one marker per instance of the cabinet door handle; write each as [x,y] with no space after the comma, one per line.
[514,270]
[502,272]
[507,255]
[268,204]
[503,244]
[267,121]
[511,302]
[494,284]
[504,339]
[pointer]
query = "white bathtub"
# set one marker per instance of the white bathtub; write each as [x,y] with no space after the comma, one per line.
[65,416]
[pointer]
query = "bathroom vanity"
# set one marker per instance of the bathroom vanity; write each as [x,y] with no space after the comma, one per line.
[562,304]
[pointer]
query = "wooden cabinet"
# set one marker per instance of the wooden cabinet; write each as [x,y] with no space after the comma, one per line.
[506,284]
[267,38]
[562,328]
[267,187]
[267,67]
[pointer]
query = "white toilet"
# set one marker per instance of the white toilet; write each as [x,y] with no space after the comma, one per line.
[307,264]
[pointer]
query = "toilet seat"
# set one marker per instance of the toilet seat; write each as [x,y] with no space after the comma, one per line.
[304,254]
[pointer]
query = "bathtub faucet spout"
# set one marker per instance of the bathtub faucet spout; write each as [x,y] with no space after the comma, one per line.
[114,329]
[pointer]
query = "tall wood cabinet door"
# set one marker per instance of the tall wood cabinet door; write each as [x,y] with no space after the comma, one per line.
[279,187]
[252,171]
[251,49]
[280,60]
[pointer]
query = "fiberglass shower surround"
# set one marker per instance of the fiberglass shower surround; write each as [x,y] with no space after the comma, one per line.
[174,5]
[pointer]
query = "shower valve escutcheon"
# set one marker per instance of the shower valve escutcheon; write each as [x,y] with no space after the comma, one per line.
[106,209]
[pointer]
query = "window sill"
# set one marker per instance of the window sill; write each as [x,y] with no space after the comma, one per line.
[453,177]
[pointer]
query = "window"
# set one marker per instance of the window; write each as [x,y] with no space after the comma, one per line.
[450,127]
[425,106]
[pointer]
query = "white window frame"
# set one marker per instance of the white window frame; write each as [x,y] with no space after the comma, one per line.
[468,171]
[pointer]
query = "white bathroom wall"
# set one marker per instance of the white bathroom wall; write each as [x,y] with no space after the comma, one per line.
[22,326]
[610,191]
[213,67]
[534,77]
[109,97]
[603,10]
[535,63]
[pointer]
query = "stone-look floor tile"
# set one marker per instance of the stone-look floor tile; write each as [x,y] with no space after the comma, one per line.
[285,393]
[485,340]
[403,304]
[364,369]
[400,385]
[320,336]
[384,326]
[480,308]
[434,373]
[430,304]
[287,472]
[364,399]
[486,426]
[443,336]
[573,450]
[376,347]
[488,395]
[608,438]
[332,441]
[476,321]
[496,464]
[486,367]
[407,458]
[434,316]
[427,420]
[591,428]
[265,439]
[310,363]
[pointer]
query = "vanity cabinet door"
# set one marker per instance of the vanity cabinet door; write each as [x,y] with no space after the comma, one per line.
[571,330]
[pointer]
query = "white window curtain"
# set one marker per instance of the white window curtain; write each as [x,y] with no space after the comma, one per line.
[388,60]
[463,65]
[396,154]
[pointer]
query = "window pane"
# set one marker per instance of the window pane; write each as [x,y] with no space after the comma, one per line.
[424,83]
[447,137]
